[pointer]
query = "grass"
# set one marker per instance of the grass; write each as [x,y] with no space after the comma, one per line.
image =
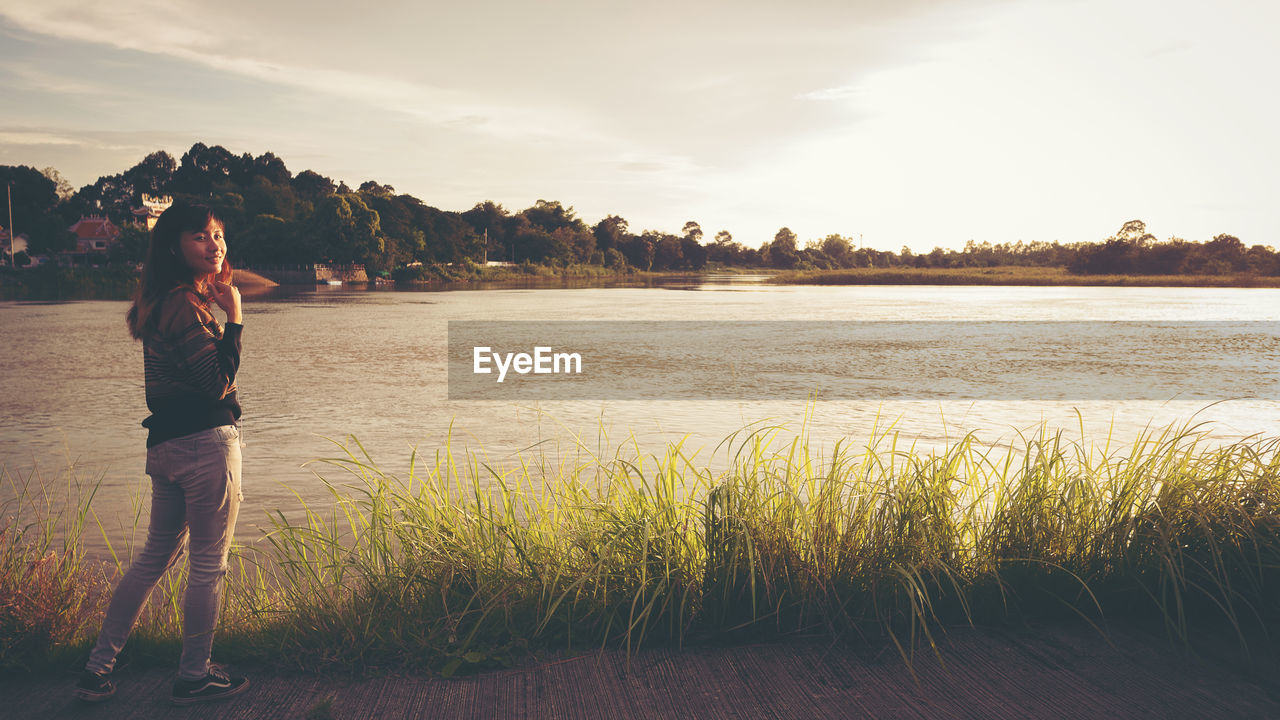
[462,564]
[1010,275]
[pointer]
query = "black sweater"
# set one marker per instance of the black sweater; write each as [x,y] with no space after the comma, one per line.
[190,366]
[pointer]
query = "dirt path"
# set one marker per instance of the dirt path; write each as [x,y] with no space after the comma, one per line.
[1052,672]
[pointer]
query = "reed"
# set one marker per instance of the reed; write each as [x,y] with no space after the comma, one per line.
[464,562]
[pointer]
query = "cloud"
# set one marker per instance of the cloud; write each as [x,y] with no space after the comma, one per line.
[95,141]
[172,31]
[44,81]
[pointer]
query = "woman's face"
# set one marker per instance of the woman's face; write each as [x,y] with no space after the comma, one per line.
[204,250]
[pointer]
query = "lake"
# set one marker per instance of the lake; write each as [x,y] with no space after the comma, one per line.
[336,362]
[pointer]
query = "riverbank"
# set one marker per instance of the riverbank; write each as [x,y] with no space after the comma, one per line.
[107,283]
[1012,275]
[1041,671]
[463,565]
[117,283]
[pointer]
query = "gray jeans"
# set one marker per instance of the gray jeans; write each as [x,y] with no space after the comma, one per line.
[195,497]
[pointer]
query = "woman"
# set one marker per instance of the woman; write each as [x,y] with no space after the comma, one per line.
[193,447]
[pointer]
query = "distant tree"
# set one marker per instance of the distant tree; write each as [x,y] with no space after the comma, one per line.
[230,206]
[373,188]
[1227,253]
[446,236]
[49,234]
[1120,254]
[202,167]
[490,220]
[668,252]
[533,244]
[1262,261]
[610,233]
[693,253]
[1135,232]
[614,259]
[153,175]
[131,245]
[639,250]
[344,229]
[550,215]
[271,168]
[782,251]
[266,240]
[62,187]
[33,195]
[262,196]
[692,230]
[839,249]
[312,185]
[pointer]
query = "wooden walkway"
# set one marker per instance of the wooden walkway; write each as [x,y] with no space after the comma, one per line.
[1051,672]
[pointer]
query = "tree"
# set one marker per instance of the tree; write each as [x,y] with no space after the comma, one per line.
[550,215]
[312,185]
[694,254]
[614,259]
[203,166]
[1135,232]
[47,235]
[371,187]
[1120,254]
[639,250]
[62,186]
[782,252]
[1227,253]
[33,195]
[153,175]
[610,233]
[131,245]
[839,249]
[267,240]
[344,230]
[272,168]
[262,196]
[693,231]
[490,220]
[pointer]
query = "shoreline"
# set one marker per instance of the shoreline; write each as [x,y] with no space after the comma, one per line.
[115,283]
[1009,275]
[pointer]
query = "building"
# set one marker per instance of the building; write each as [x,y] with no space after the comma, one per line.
[94,234]
[151,208]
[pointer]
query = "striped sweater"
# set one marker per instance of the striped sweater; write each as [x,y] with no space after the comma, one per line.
[190,366]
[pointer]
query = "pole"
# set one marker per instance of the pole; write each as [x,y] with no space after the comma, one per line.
[12,237]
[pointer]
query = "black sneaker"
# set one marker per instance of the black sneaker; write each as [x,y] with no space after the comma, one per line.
[215,685]
[94,687]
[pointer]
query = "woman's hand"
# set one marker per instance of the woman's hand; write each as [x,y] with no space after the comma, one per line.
[228,298]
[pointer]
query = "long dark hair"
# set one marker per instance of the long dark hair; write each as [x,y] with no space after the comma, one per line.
[165,269]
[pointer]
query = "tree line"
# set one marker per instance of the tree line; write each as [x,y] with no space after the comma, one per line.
[281,218]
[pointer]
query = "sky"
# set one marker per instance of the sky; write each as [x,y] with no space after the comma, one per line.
[919,123]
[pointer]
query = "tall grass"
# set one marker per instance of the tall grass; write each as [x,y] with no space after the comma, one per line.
[463,562]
